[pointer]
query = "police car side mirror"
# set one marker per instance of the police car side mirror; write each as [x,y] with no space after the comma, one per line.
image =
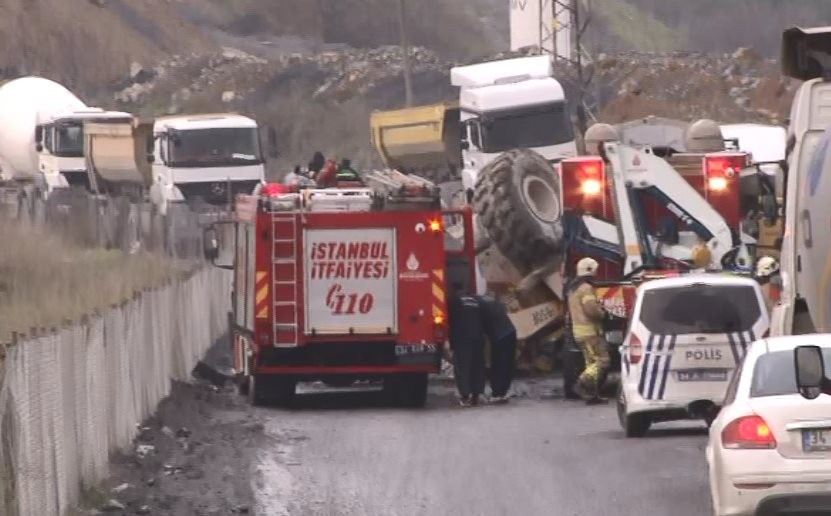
[810,371]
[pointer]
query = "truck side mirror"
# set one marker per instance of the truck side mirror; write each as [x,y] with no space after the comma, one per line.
[465,145]
[211,248]
[39,134]
[810,371]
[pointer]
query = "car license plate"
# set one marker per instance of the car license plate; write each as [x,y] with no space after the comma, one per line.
[702,375]
[815,440]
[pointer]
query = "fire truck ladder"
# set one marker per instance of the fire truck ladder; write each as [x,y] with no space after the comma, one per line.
[284,275]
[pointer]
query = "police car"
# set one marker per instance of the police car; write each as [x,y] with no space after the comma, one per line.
[686,337]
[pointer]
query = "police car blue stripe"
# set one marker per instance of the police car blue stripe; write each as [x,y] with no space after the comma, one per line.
[743,342]
[670,348]
[733,347]
[655,368]
[645,367]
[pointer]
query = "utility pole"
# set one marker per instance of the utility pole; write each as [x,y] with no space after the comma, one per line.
[405,46]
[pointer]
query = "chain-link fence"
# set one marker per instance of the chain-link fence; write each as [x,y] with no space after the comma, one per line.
[113,223]
[70,397]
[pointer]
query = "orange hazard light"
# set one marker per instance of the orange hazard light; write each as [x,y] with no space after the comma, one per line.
[435,226]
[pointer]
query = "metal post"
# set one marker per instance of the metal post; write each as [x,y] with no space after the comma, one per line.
[405,46]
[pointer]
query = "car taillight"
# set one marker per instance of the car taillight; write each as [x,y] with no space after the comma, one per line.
[748,433]
[635,349]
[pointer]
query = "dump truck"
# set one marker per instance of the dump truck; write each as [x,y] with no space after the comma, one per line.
[423,140]
[503,105]
[119,156]
[344,285]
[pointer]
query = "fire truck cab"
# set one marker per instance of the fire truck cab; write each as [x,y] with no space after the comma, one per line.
[342,285]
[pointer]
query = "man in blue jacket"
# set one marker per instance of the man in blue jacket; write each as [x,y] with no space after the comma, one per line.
[502,335]
[467,340]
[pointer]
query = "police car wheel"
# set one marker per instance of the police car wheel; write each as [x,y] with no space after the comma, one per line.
[634,425]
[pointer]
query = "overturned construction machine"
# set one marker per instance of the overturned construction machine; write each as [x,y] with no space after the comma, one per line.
[636,212]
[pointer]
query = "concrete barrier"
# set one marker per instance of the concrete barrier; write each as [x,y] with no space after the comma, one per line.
[70,397]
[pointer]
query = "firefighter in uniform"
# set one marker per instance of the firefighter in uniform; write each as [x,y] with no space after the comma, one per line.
[467,340]
[767,274]
[587,315]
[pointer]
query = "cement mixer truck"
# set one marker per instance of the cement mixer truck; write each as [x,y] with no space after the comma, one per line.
[41,135]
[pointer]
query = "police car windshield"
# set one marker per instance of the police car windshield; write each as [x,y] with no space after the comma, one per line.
[700,309]
[774,374]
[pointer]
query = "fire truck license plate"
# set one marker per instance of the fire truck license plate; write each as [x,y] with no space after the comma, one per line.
[415,349]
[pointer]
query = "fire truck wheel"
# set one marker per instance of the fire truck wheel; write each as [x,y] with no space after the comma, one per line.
[243,382]
[265,390]
[406,390]
[517,200]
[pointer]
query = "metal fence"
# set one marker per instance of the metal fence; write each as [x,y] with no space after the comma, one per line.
[71,397]
[113,223]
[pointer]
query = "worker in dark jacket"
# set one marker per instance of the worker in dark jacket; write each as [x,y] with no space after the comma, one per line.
[502,336]
[315,166]
[467,340]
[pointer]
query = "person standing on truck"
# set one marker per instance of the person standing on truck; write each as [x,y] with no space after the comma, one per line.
[587,315]
[315,166]
[467,341]
[347,173]
[502,336]
[328,175]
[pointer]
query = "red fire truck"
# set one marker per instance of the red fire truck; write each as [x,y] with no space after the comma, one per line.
[342,285]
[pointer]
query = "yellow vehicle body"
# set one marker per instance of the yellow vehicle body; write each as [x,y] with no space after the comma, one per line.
[422,140]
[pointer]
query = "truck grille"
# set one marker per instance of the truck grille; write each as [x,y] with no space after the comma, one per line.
[216,192]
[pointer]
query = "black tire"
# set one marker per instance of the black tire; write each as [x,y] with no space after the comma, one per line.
[406,390]
[267,390]
[517,201]
[242,385]
[634,425]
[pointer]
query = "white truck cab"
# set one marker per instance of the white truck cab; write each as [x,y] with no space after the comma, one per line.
[509,104]
[60,146]
[211,157]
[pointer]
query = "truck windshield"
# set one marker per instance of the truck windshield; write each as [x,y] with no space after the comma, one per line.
[700,309]
[540,126]
[215,147]
[69,140]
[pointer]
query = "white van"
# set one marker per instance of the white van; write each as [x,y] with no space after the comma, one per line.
[686,337]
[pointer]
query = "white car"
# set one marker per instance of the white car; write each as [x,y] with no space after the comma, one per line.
[686,336]
[770,449]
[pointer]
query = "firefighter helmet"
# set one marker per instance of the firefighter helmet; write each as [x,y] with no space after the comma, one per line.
[587,267]
[766,266]
[704,136]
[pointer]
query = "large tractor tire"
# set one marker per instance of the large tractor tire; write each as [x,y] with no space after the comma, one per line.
[517,200]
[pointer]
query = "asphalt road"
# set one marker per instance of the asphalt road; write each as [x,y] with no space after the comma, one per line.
[348,454]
